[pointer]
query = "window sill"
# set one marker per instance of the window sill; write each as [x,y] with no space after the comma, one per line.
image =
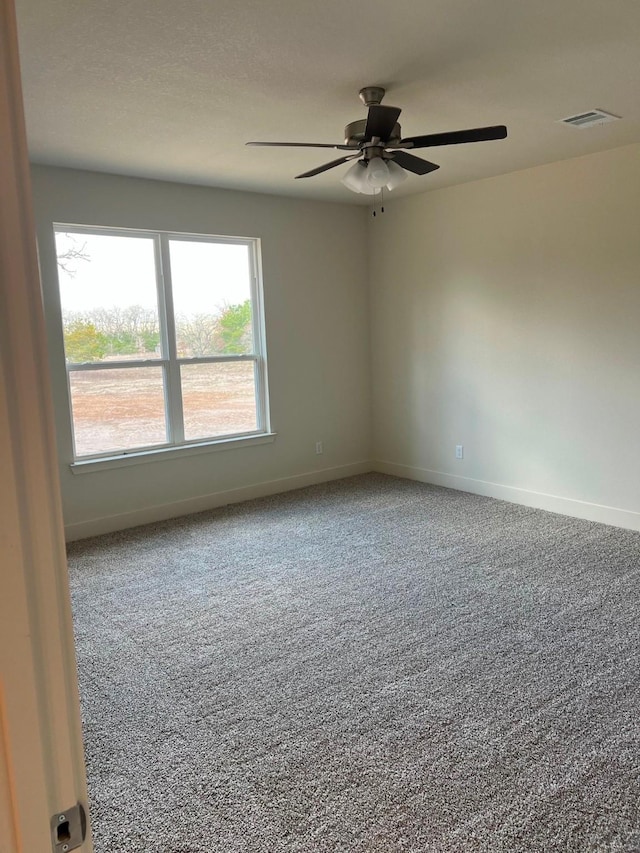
[123,460]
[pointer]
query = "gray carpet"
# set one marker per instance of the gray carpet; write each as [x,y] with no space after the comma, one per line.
[369,665]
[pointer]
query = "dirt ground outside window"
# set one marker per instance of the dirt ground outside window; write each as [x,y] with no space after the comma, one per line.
[121,409]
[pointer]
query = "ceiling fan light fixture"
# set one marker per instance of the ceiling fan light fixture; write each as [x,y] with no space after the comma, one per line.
[377,173]
[355,179]
[367,189]
[396,175]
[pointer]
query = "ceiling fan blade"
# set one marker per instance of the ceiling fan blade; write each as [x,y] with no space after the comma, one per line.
[381,121]
[327,166]
[455,137]
[414,164]
[302,145]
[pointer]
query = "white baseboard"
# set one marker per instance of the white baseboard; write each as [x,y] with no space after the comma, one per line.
[552,503]
[161,512]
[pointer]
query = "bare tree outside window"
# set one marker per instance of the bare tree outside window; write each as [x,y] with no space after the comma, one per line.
[71,254]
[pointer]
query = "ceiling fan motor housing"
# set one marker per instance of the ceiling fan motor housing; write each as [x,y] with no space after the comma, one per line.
[354,134]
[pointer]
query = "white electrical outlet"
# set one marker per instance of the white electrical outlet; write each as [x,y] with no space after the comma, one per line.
[319,448]
[459,451]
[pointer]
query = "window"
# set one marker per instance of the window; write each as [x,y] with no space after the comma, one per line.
[163,337]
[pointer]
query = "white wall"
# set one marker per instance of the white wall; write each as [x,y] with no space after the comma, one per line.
[317,340]
[506,317]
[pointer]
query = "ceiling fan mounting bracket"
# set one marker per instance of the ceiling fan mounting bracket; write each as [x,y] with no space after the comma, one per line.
[371,95]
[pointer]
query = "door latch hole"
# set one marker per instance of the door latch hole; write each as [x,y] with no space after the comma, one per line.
[63,832]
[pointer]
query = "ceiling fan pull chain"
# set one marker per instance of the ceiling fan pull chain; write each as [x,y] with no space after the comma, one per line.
[373,202]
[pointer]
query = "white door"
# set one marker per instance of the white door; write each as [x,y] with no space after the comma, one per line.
[41,757]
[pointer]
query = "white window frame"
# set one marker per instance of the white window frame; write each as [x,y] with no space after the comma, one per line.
[169,361]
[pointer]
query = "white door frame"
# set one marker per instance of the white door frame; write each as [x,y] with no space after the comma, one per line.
[41,756]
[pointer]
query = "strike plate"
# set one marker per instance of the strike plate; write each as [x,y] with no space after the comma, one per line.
[69,829]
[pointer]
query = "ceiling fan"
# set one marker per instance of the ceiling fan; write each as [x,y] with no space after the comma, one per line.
[380,150]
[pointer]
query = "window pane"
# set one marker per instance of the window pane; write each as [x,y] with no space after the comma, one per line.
[109,297]
[218,399]
[117,409]
[211,298]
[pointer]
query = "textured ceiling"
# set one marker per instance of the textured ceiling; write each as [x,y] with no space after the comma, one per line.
[174,90]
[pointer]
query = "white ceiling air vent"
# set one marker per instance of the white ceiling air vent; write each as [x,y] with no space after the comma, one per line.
[590,118]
